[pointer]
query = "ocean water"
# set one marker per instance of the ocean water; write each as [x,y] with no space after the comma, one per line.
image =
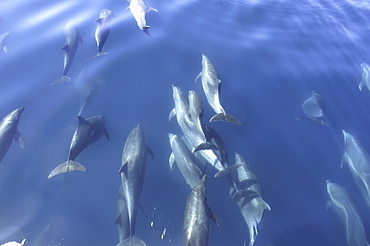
[270,56]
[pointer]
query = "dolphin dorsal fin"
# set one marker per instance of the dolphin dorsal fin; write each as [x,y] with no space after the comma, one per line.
[82,121]
[106,134]
[150,151]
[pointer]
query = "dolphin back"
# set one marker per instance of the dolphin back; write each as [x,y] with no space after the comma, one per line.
[66,167]
[132,241]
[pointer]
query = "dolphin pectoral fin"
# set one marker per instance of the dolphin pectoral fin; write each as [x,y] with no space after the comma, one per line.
[327,205]
[343,160]
[18,137]
[150,151]
[65,48]
[321,122]
[106,134]
[152,9]
[145,29]
[123,169]
[80,39]
[227,170]
[225,117]
[128,7]
[198,76]
[132,241]
[5,49]
[171,160]
[99,20]
[61,79]
[98,54]
[172,114]
[206,145]
[66,167]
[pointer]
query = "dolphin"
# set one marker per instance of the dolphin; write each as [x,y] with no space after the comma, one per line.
[3,47]
[88,132]
[313,109]
[122,220]
[132,173]
[196,216]
[359,164]
[185,160]
[103,29]
[73,38]
[213,137]
[13,243]
[365,80]
[138,9]
[247,194]
[8,131]
[211,84]
[343,206]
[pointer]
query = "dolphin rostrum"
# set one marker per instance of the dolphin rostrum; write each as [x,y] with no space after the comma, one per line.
[139,9]
[88,132]
[73,37]
[8,131]
[102,30]
[132,173]
[211,84]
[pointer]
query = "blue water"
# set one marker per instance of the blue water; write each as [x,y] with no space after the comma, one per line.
[270,55]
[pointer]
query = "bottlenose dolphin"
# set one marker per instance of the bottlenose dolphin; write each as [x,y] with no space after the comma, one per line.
[313,109]
[132,176]
[185,160]
[211,84]
[103,29]
[342,205]
[73,37]
[139,9]
[88,132]
[365,80]
[122,220]
[359,164]
[3,47]
[247,193]
[8,131]
[196,216]
[13,243]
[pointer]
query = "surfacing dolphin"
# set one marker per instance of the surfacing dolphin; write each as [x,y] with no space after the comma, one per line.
[132,173]
[102,30]
[211,84]
[73,37]
[365,80]
[9,132]
[313,109]
[3,47]
[358,163]
[342,205]
[139,9]
[88,132]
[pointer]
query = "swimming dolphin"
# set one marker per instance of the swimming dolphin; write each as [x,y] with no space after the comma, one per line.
[132,173]
[88,132]
[185,160]
[342,205]
[8,131]
[73,37]
[139,9]
[365,80]
[211,84]
[196,216]
[13,243]
[3,47]
[213,137]
[122,220]
[247,193]
[103,29]
[358,163]
[313,109]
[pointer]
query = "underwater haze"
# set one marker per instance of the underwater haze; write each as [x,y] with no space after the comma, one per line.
[270,55]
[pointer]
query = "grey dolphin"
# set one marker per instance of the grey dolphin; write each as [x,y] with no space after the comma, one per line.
[132,176]
[102,30]
[342,205]
[73,38]
[3,47]
[247,194]
[358,163]
[185,160]
[8,131]
[365,80]
[138,9]
[313,109]
[122,220]
[196,216]
[88,132]
[211,84]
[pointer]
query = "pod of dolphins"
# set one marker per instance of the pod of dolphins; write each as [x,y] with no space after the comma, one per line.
[198,147]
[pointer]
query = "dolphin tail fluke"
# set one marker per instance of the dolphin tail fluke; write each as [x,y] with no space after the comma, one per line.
[225,117]
[66,167]
[204,146]
[145,29]
[227,170]
[132,241]
[62,79]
